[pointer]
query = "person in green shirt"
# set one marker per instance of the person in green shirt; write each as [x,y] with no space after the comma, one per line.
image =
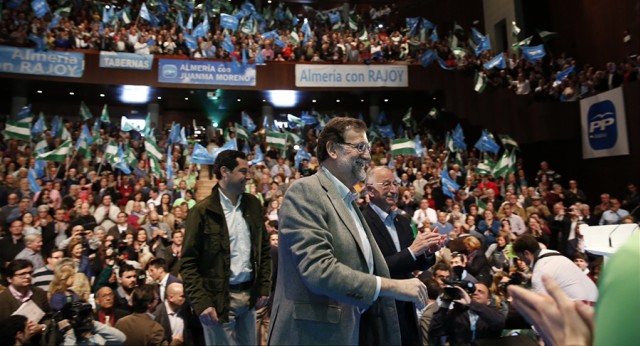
[188,198]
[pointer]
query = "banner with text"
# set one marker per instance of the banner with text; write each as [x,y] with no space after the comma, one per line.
[206,72]
[352,76]
[30,61]
[604,125]
[127,61]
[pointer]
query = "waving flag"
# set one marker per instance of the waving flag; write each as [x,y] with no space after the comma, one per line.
[228,45]
[169,166]
[522,43]
[152,149]
[33,184]
[242,133]
[564,73]
[18,130]
[419,148]
[104,116]
[24,114]
[228,22]
[58,154]
[259,157]
[276,139]
[386,131]
[39,126]
[190,22]
[485,44]
[190,41]
[247,122]
[85,113]
[201,155]
[111,152]
[486,143]
[308,118]
[479,82]
[230,145]
[174,134]
[301,155]
[476,36]
[183,137]
[449,187]
[293,137]
[497,61]
[509,142]
[533,54]
[428,57]
[458,138]
[40,7]
[434,35]
[506,165]
[306,30]
[403,146]
[294,120]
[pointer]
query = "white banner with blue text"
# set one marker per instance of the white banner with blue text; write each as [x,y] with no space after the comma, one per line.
[346,76]
[604,125]
[127,61]
[31,61]
[206,72]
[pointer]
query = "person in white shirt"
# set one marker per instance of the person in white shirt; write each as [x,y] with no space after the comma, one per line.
[424,213]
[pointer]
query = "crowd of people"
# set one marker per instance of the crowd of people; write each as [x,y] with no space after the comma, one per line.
[92,233]
[368,41]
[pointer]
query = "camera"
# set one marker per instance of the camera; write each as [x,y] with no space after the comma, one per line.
[451,293]
[79,315]
[515,278]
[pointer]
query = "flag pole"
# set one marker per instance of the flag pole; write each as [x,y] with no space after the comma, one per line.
[102,160]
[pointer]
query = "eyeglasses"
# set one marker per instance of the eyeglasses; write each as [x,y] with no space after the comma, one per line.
[23,275]
[360,147]
[388,184]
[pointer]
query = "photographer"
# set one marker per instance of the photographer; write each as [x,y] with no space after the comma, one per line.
[461,319]
[78,327]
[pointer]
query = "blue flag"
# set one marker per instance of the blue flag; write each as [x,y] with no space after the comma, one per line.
[434,35]
[39,126]
[259,157]
[497,61]
[201,155]
[270,35]
[418,146]
[426,23]
[458,138]
[24,113]
[476,36]
[174,134]
[205,25]
[190,22]
[144,12]
[382,118]
[33,184]
[40,7]
[227,44]
[306,30]
[259,59]
[533,54]
[56,125]
[428,57]
[564,74]
[122,163]
[449,187]
[230,145]
[279,42]
[308,118]
[247,122]
[86,134]
[412,22]
[486,143]
[301,155]
[39,166]
[180,20]
[485,44]
[54,22]
[246,149]
[443,64]
[228,22]
[245,60]
[190,41]
[199,31]
[334,17]
[169,165]
[107,14]
[183,137]
[265,123]
[386,131]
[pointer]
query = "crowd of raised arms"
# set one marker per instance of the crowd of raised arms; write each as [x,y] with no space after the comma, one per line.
[276,34]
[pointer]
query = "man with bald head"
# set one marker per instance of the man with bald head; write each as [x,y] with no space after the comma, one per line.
[105,311]
[402,252]
[181,326]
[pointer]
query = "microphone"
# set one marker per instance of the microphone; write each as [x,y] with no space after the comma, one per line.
[611,233]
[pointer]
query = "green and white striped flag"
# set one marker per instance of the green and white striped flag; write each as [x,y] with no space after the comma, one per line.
[459,53]
[364,36]
[353,24]
[276,139]
[41,144]
[338,26]
[506,165]
[58,154]
[294,37]
[507,141]
[547,35]
[242,133]
[292,138]
[64,133]
[18,129]
[104,117]
[482,206]
[485,167]
[156,169]
[111,151]
[130,156]
[403,146]
[152,149]
[480,82]
[83,146]
[125,17]
[524,42]
[85,113]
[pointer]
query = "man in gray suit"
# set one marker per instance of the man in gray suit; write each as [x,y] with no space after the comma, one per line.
[330,270]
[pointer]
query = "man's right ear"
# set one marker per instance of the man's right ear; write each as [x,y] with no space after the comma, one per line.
[331,150]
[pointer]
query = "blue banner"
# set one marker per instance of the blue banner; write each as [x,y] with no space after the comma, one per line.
[205,72]
[497,61]
[127,61]
[51,63]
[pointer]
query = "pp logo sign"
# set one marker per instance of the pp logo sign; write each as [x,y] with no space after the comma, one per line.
[603,132]
[169,71]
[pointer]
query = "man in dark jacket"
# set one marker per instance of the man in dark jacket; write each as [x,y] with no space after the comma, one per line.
[226,266]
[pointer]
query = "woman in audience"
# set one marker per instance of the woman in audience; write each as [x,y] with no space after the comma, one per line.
[75,250]
[60,291]
[489,227]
